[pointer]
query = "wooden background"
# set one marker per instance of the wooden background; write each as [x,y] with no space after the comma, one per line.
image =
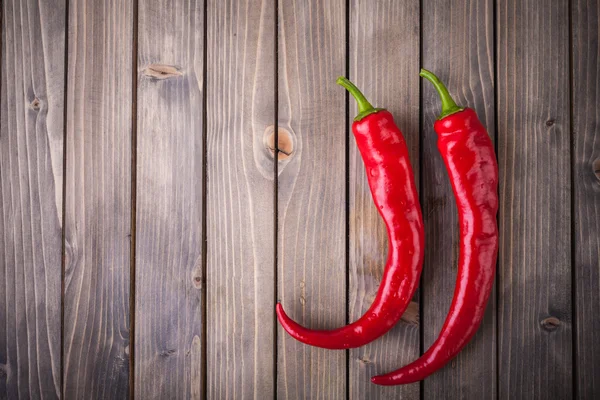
[146,231]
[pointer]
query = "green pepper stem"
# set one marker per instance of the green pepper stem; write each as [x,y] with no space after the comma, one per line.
[364,107]
[448,105]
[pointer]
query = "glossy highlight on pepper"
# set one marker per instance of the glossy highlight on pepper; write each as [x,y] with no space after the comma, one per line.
[391,180]
[470,160]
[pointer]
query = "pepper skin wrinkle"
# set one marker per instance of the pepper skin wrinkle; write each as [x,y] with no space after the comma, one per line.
[391,180]
[468,154]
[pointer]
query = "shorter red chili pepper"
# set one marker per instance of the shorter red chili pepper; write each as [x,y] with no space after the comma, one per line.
[471,163]
[391,180]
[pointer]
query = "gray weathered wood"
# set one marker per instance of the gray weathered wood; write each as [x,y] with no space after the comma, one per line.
[169,260]
[532,355]
[458,46]
[240,209]
[98,200]
[534,297]
[384,63]
[31,168]
[586,185]
[311,193]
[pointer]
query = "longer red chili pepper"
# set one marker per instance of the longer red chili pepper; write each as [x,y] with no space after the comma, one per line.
[391,180]
[471,163]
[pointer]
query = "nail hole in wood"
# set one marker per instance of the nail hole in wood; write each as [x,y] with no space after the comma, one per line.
[550,324]
[35,104]
[197,274]
[284,142]
[364,360]
[197,281]
[161,71]
[596,168]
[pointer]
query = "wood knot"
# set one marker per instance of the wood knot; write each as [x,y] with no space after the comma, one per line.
[550,324]
[550,122]
[167,352]
[121,362]
[35,104]
[161,71]
[364,360]
[302,300]
[285,147]
[198,282]
[70,257]
[596,168]
[197,275]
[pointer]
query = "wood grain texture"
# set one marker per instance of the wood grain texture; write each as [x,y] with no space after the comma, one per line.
[31,169]
[586,192]
[169,259]
[240,209]
[534,298]
[98,200]
[458,46]
[384,63]
[311,193]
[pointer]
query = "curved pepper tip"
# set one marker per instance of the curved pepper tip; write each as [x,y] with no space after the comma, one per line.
[379,380]
[283,318]
[391,380]
[289,325]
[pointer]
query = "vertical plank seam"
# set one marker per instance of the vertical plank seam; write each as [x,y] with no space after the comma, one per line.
[64,203]
[275,189]
[347,189]
[420,151]
[498,219]
[574,369]
[133,232]
[5,328]
[204,340]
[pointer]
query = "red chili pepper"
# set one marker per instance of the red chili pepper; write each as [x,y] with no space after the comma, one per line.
[471,163]
[391,180]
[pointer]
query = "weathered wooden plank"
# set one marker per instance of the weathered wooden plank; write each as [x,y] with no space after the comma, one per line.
[31,169]
[384,63]
[586,186]
[240,209]
[98,200]
[169,201]
[311,193]
[534,298]
[458,45]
